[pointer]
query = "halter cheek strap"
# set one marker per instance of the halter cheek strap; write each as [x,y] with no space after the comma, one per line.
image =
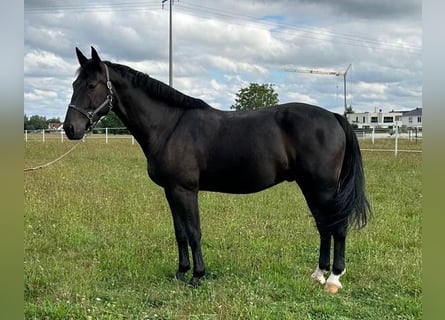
[107,103]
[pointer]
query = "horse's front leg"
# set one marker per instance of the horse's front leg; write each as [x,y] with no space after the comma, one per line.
[181,237]
[184,206]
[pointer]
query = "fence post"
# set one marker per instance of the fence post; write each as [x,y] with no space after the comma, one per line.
[132,139]
[26,135]
[61,135]
[373,133]
[106,135]
[43,135]
[397,140]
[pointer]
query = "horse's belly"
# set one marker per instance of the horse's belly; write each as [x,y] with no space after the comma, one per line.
[239,181]
[236,187]
[246,165]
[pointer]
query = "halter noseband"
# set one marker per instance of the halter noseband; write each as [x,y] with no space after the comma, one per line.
[108,102]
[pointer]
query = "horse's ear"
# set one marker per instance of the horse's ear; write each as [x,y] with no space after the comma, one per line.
[82,59]
[94,55]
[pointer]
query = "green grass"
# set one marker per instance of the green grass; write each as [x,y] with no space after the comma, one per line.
[99,244]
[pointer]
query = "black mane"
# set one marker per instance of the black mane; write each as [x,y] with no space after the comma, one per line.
[158,89]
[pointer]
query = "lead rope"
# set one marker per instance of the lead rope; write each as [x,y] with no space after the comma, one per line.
[53,161]
[109,100]
[66,153]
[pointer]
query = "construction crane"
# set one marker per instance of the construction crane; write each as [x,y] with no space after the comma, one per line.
[330,73]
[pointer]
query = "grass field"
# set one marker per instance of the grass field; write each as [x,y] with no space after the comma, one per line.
[99,244]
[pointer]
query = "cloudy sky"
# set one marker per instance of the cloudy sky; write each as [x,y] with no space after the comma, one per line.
[222,46]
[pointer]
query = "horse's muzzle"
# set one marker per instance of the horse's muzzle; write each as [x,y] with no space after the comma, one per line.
[72,133]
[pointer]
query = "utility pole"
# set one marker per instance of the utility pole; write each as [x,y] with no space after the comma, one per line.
[170,46]
[344,87]
[331,73]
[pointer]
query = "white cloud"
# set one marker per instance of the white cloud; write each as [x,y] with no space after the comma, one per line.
[220,47]
[37,94]
[228,65]
[371,89]
[215,85]
[296,96]
[38,62]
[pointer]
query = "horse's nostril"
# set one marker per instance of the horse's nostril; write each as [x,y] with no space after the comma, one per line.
[69,130]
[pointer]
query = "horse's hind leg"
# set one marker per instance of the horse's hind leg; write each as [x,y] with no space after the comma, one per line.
[339,234]
[324,257]
[333,283]
[329,227]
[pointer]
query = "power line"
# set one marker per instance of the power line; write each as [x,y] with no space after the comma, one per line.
[308,33]
[215,11]
[235,18]
[91,7]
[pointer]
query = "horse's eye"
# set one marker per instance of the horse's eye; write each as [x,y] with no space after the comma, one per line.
[92,85]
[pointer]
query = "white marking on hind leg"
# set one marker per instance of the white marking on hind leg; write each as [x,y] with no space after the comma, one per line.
[318,275]
[333,283]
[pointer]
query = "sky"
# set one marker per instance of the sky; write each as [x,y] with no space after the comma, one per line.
[220,47]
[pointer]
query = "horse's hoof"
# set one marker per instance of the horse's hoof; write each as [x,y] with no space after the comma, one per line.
[318,276]
[180,276]
[331,288]
[195,282]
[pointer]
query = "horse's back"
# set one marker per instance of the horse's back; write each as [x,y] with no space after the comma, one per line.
[311,127]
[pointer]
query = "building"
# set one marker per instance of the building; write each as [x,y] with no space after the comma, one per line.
[412,119]
[55,126]
[386,120]
[379,119]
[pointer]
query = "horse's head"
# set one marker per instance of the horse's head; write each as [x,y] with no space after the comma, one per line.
[92,96]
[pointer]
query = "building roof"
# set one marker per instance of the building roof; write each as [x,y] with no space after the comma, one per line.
[55,125]
[415,112]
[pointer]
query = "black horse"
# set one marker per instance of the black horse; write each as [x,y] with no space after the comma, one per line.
[191,146]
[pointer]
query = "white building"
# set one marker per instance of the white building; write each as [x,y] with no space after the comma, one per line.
[412,119]
[387,120]
[375,119]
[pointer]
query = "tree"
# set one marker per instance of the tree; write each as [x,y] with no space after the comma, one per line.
[53,120]
[26,122]
[35,123]
[111,121]
[349,110]
[255,96]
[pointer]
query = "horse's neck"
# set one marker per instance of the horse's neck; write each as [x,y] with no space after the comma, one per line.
[149,121]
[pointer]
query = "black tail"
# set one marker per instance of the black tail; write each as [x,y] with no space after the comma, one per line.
[351,197]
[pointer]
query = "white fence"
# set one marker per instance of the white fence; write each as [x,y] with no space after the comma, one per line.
[98,133]
[373,133]
[411,135]
[107,134]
